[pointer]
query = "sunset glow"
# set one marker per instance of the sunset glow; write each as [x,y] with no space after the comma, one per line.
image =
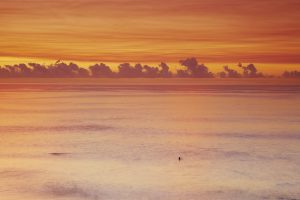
[149,99]
[151,31]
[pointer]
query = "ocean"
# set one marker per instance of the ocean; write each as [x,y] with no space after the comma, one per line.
[121,139]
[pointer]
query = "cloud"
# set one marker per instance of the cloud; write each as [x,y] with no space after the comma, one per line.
[38,70]
[60,69]
[164,70]
[154,30]
[4,72]
[126,70]
[231,73]
[147,71]
[291,74]
[250,70]
[101,70]
[193,69]
[182,73]
[150,72]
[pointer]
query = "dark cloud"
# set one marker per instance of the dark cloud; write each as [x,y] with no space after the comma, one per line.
[4,72]
[58,69]
[230,73]
[191,69]
[82,72]
[101,70]
[164,70]
[147,71]
[17,70]
[222,74]
[61,69]
[182,73]
[38,70]
[128,71]
[250,70]
[150,72]
[291,74]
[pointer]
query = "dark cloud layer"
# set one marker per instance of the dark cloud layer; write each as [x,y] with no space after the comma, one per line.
[191,68]
[291,74]
[250,71]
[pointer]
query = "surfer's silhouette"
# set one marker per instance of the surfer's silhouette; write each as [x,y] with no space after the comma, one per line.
[179,158]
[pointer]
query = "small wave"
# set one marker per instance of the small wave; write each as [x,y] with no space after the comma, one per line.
[71,190]
[70,128]
[256,135]
[208,153]
[17,173]
[58,153]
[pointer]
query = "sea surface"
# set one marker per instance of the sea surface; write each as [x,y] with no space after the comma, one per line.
[121,139]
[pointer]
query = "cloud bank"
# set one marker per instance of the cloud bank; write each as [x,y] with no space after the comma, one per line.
[191,68]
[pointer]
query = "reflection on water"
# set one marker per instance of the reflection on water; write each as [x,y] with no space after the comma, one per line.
[124,143]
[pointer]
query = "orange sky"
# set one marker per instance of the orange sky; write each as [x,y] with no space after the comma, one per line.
[232,31]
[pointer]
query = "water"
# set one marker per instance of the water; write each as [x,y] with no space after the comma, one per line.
[114,141]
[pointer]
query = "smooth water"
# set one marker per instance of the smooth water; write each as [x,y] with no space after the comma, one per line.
[124,142]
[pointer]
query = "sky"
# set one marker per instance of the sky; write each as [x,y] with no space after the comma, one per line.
[214,31]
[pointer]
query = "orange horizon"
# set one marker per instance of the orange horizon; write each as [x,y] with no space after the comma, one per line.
[118,31]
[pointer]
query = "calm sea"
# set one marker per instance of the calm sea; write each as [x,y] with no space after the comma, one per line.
[75,141]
